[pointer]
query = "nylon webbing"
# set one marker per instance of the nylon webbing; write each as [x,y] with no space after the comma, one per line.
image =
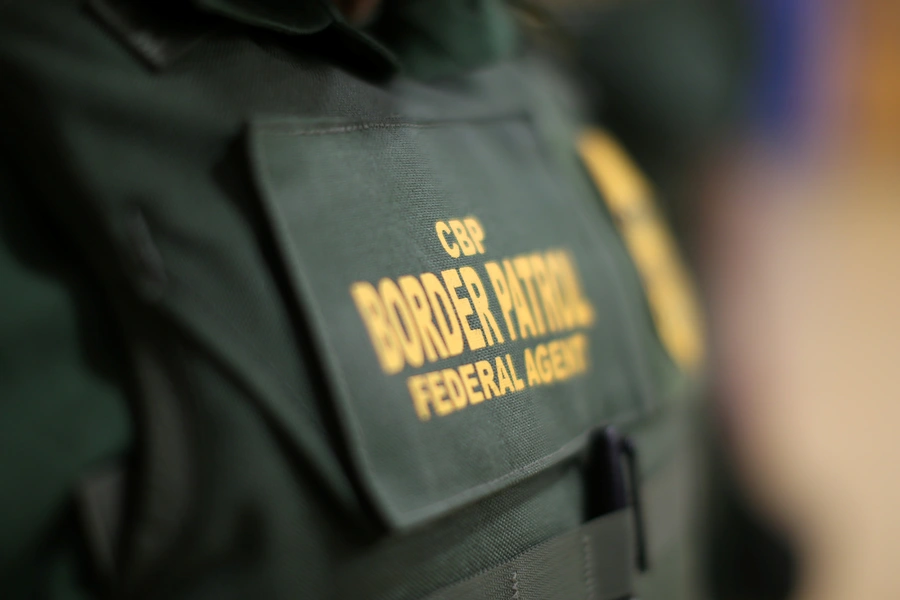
[98,498]
[595,561]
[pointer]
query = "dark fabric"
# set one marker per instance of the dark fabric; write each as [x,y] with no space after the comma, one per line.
[427,40]
[599,559]
[158,34]
[670,80]
[593,561]
[433,170]
[100,498]
[62,404]
[139,191]
[295,17]
[437,39]
[746,557]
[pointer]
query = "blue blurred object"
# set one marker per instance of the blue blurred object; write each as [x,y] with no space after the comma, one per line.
[780,84]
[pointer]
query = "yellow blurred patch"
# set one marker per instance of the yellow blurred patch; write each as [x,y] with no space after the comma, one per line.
[668,287]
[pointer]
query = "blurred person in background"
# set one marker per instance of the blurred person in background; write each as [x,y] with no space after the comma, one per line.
[801,261]
[797,244]
[674,81]
[330,300]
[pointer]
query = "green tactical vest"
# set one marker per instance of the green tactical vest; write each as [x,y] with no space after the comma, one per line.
[381,335]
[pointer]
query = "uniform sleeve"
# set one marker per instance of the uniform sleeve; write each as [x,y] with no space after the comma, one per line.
[62,406]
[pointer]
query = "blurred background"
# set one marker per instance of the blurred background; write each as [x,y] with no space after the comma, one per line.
[771,129]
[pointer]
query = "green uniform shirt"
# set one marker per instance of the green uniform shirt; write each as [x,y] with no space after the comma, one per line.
[344,306]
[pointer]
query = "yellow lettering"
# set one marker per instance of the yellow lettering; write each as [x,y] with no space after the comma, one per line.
[467,373]
[417,385]
[560,372]
[462,236]
[455,388]
[450,390]
[444,313]
[442,405]
[501,291]
[384,339]
[581,347]
[569,357]
[482,306]
[531,370]
[486,377]
[523,270]
[401,320]
[504,381]
[547,292]
[441,229]
[523,313]
[473,225]
[421,312]
[520,385]
[580,351]
[464,309]
[542,358]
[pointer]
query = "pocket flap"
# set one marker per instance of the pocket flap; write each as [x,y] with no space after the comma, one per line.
[462,297]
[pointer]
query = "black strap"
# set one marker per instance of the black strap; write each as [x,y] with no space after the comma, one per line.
[99,502]
[594,561]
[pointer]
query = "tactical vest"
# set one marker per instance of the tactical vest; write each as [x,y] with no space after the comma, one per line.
[386,340]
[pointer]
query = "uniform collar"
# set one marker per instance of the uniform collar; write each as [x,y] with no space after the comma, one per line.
[441,38]
[425,39]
